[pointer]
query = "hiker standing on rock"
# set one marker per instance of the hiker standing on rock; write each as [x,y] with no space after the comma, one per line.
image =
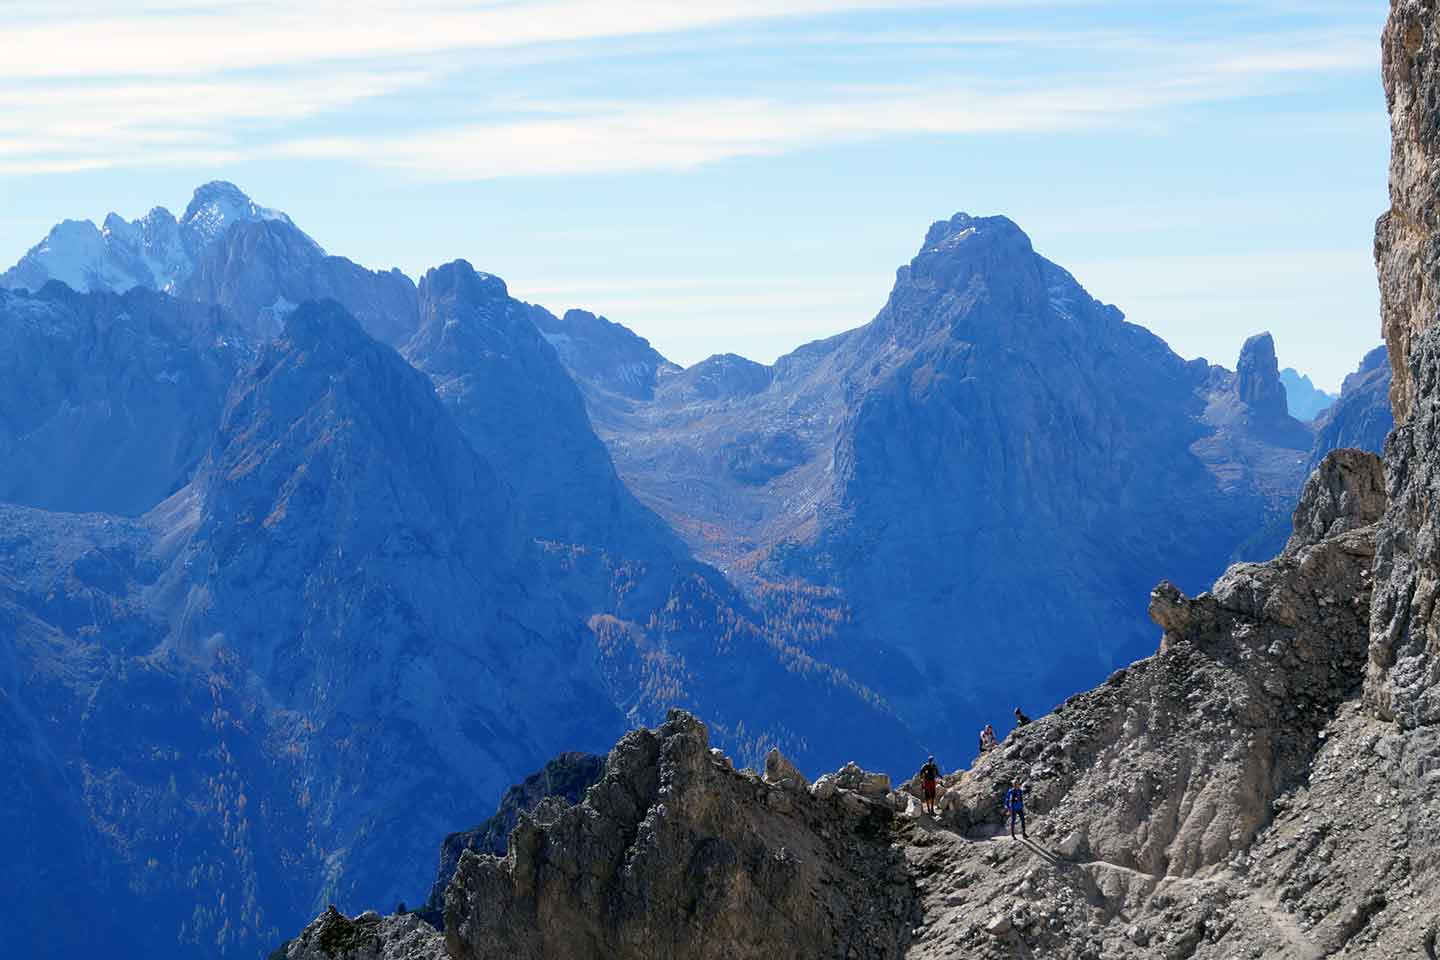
[928,775]
[987,738]
[1015,803]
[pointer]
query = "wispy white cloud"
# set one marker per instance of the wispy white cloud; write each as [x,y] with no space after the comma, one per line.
[120,40]
[166,83]
[611,137]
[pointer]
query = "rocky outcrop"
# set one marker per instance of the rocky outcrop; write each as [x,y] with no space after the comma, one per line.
[1346,492]
[1225,797]
[1257,379]
[675,853]
[1404,673]
[566,778]
[1405,236]
[368,936]
[1404,670]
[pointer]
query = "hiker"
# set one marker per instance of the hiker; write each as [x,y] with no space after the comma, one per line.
[1020,718]
[928,775]
[1015,803]
[988,739]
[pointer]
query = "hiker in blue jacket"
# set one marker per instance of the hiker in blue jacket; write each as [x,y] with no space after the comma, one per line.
[1015,803]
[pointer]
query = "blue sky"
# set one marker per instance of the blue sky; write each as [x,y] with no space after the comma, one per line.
[744,176]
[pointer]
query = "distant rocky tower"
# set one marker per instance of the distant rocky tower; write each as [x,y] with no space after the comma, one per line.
[1257,377]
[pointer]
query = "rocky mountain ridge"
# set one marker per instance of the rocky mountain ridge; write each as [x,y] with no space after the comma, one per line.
[944,463]
[157,251]
[1229,796]
[1267,784]
[346,589]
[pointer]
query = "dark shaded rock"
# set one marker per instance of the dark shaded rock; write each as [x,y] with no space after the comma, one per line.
[566,777]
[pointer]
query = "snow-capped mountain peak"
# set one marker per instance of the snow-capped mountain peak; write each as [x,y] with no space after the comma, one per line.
[155,251]
[216,206]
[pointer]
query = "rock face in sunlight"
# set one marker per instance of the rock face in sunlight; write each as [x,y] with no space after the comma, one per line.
[1404,675]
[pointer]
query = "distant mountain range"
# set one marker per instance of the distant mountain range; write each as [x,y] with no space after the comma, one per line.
[1304,400]
[302,563]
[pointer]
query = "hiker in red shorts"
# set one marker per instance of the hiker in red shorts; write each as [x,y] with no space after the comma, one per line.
[928,775]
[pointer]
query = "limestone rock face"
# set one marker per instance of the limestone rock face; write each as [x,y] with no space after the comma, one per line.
[676,854]
[1404,672]
[1406,248]
[1345,493]
[567,776]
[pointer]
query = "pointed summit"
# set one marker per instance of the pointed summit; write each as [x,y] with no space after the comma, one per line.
[1257,377]
[218,205]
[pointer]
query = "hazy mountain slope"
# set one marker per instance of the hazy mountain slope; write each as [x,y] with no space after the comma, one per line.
[1360,418]
[260,271]
[225,249]
[907,496]
[670,630]
[343,637]
[516,404]
[1303,399]
[108,402]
